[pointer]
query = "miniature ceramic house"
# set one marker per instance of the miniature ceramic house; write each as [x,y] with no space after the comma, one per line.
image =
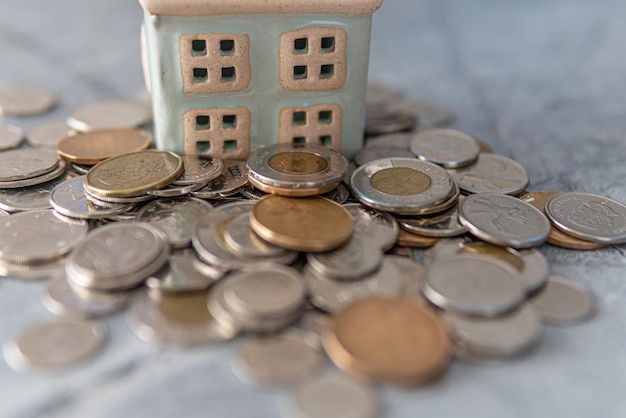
[226,76]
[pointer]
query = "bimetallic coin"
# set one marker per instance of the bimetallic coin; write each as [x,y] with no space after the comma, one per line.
[492,174]
[373,226]
[184,273]
[233,177]
[26,163]
[199,169]
[563,302]
[589,217]
[402,185]
[367,155]
[302,224]
[54,344]
[24,199]
[133,174]
[504,220]
[445,147]
[352,261]
[109,115]
[390,339]
[474,285]
[240,238]
[98,145]
[69,199]
[11,136]
[25,101]
[439,225]
[48,134]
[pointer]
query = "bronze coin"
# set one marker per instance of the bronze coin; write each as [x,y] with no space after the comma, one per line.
[92,147]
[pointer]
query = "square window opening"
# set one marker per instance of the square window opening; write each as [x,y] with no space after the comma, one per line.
[227,47]
[198,47]
[299,140]
[203,147]
[327,71]
[328,44]
[203,123]
[200,75]
[229,121]
[326,117]
[301,46]
[326,140]
[299,72]
[299,118]
[228,75]
[230,146]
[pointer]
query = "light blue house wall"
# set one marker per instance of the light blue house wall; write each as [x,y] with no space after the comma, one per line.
[265,97]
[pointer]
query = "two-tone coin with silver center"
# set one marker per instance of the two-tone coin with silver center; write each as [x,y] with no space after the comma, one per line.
[445,147]
[492,173]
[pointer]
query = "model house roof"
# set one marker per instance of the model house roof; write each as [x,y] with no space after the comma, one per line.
[227,7]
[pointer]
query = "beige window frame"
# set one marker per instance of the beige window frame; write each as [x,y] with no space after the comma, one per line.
[318,124]
[218,132]
[313,59]
[215,62]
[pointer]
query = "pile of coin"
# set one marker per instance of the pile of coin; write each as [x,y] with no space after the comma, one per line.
[295,250]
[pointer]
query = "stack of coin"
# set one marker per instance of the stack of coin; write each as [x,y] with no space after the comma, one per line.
[29,167]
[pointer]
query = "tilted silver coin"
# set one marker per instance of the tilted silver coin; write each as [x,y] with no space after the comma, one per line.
[413,274]
[54,344]
[46,135]
[401,140]
[184,273]
[11,136]
[25,101]
[439,225]
[233,178]
[385,121]
[563,302]
[26,163]
[446,147]
[33,271]
[28,198]
[474,285]
[51,175]
[351,261]
[38,237]
[176,191]
[492,173]
[373,226]
[199,169]
[504,220]
[109,114]
[402,185]
[240,238]
[589,217]
[331,295]
[367,155]
[70,199]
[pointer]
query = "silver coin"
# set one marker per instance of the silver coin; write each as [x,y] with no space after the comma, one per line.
[11,136]
[403,185]
[401,140]
[252,192]
[25,101]
[48,134]
[184,273]
[176,191]
[563,302]
[331,295]
[429,114]
[502,336]
[589,217]
[38,237]
[381,94]
[233,178]
[28,198]
[354,260]
[492,173]
[101,200]
[386,121]
[334,396]
[413,275]
[69,199]
[474,285]
[260,166]
[312,326]
[282,360]
[218,308]
[439,225]
[26,163]
[240,238]
[61,299]
[367,155]
[443,249]
[54,344]
[339,195]
[371,225]
[209,242]
[32,272]
[504,220]
[33,181]
[445,147]
[117,256]
[108,115]
[179,319]
[199,169]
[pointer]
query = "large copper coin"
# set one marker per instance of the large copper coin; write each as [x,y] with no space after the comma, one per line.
[92,147]
[389,338]
[302,224]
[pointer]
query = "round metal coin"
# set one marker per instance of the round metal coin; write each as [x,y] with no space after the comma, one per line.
[563,302]
[92,147]
[28,198]
[26,163]
[199,169]
[47,135]
[373,226]
[10,136]
[439,225]
[242,240]
[446,147]
[492,173]
[25,101]
[234,176]
[109,115]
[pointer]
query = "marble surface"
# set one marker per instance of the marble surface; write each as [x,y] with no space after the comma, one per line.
[541,81]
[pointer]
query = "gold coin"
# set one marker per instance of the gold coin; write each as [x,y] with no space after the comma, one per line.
[298,163]
[408,239]
[188,308]
[389,338]
[92,147]
[401,181]
[133,174]
[302,224]
[557,237]
[283,191]
[507,255]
